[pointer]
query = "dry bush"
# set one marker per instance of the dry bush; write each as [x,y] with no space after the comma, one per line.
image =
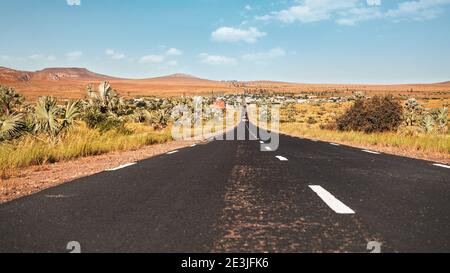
[378,114]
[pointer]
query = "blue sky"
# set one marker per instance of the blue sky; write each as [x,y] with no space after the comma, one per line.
[315,41]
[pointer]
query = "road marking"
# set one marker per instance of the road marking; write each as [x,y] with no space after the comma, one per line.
[332,201]
[268,148]
[173,152]
[335,144]
[193,145]
[121,167]
[442,166]
[371,152]
[250,131]
[282,158]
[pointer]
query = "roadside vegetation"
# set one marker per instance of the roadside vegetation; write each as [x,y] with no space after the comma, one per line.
[385,123]
[50,131]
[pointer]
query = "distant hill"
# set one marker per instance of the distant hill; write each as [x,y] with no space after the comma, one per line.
[50,74]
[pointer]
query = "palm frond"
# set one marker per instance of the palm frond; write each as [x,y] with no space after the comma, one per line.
[11,126]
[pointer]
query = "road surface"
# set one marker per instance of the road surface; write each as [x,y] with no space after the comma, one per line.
[229,196]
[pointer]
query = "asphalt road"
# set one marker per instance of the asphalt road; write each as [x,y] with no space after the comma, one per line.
[229,196]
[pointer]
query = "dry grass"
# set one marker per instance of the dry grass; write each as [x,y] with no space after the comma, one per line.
[426,146]
[171,87]
[81,142]
[406,142]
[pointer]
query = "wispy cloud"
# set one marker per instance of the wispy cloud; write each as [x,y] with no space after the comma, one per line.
[113,54]
[216,59]
[42,57]
[230,34]
[74,55]
[261,57]
[350,12]
[152,59]
[73,2]
[174,52]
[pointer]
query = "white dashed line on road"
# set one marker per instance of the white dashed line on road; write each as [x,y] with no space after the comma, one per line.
[173,152]
[442,166]
[121,167]
[282,158]
[332,201]
[371,152]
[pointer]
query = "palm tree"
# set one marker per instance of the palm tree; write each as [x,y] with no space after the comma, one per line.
[46,116]
[11,126]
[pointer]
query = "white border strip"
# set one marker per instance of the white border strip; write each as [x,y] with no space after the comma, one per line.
[371,152]
[335,144]
[172,152]
[282,158]
[332,201]
[121,167]
[442,166]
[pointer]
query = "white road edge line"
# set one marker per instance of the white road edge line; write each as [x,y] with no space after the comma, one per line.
[193,145]
[121,167]
[371,152]
[282,158]
[335,144]
[172,152]
[332,201]
[442,166]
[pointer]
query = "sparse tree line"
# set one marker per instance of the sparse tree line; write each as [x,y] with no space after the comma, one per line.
[102,109]
[383,114]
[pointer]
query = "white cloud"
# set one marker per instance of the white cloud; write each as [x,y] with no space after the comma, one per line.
[229,34]
[248,7]
[374,2]
[174,52]
[41,57]
[114,55]
[172,63]
[74,55]
[73,2]
[418,10]
[152,59]
[216,59]
[265,56]
[350,12]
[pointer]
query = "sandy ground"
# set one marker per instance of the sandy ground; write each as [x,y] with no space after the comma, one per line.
[37,178]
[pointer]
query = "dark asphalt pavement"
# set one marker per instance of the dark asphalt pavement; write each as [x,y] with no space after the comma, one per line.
[229,196]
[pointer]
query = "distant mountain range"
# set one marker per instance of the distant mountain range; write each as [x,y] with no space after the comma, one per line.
[72,82]
[73,73]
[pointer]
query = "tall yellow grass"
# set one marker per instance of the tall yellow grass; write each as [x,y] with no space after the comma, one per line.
[436,145]
[80,141]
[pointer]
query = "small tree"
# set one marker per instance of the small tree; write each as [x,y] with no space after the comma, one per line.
[291,112]
[9,100]
[413,112]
